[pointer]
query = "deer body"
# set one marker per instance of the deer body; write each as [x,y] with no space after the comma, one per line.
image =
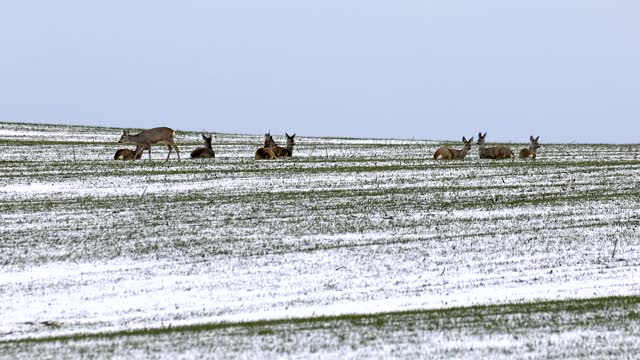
[126,154]
[205,152]
[149,137]
[266,151]
[446,153]
[530,153]
[497,152]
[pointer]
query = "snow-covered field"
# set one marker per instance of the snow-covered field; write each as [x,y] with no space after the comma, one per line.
[89,245]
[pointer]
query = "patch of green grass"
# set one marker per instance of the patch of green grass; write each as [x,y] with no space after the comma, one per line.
[561,314]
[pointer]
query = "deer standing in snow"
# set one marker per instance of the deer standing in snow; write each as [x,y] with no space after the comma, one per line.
[148,137]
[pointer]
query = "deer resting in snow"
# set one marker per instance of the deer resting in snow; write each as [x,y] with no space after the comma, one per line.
[446,153]
[205,152]
[530,153]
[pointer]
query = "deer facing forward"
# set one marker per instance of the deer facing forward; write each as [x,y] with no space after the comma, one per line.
[446,153]
[148,137]
[205,152]
[530,153]
[497,152]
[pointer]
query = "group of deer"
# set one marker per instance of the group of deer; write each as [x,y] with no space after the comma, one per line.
[271,150]
[165,135]
[496,152]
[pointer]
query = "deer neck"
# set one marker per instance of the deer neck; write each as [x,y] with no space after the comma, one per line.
[481,149]
[290,149]
[464,152]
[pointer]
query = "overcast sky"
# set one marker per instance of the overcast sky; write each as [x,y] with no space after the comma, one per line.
[567,70]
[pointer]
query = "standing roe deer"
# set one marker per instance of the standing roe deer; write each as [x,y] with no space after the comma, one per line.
[126,154]
[265,152]
[531,151]
[497,152]
[445,153]
[205,152]
[152,136]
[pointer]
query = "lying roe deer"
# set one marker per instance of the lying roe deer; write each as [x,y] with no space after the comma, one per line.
[497,152]
[126,154]
[445,153]
[152,136]
[265,152]
[531,151]
[279,150]
[205,152]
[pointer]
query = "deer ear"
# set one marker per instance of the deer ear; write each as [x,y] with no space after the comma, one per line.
[538,138]
[471,140]
[485,134]
[294,135]
[531,138]
[464,139]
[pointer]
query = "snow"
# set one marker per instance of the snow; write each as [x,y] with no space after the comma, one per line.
[102,245]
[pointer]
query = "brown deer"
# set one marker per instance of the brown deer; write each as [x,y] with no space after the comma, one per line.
[446,153]
[152,136]
[126,154]
[205,152]
[265,152]
[279,150]
[497,152]
[531,151]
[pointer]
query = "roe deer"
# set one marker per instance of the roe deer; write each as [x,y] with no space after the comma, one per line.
[531,151]
[152,136]
[265,152]
[126,154]
[205,152]
[279,150]
[445,153]
[497,152]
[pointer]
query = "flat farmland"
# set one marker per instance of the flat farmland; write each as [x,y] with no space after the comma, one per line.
[352,248]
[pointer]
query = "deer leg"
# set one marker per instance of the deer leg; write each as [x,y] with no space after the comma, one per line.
[173,144]
[149,152]
[138,152]
[169,154]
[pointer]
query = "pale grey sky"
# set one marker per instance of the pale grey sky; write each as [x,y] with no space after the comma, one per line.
[567,70]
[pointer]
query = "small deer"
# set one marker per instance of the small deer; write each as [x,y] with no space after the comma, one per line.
[531,151]
[266,152]
[126,154]
[497,152]
[205,152]
[149,137]
[445,153]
